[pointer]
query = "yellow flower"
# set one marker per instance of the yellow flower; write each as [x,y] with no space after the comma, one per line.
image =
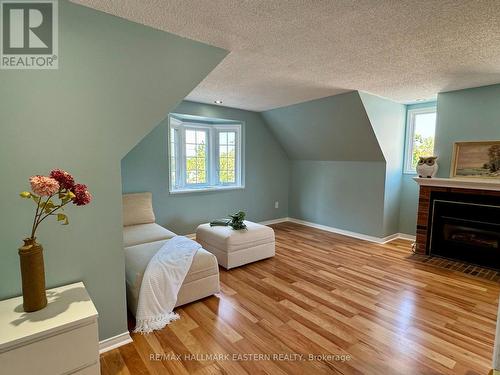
[71,195]
[25,194]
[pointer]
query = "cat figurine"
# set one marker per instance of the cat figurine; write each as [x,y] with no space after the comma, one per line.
[427,167]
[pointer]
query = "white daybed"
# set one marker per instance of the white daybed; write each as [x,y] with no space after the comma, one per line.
[142,238]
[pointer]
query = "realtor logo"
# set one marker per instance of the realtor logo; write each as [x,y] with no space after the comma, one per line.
[29,34]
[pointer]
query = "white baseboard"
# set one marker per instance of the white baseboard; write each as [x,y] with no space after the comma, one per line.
[360,236]
[114,342]
[275,221]
[404,236]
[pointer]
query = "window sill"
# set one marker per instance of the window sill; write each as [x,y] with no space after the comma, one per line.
[206,189]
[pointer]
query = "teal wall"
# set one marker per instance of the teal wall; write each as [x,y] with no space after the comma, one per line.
[326,129]
[409,190]
[346,160]
[464,115]
[388,121]
[340,194]
[116,81]
[145,168]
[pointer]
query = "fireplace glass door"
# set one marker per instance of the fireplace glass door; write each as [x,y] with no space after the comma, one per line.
[466,231]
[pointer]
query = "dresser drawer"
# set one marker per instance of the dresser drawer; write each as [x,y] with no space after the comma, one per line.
[62,353]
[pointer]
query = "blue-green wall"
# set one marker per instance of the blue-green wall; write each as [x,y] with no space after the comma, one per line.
[145,168]
[346,159]
[340,194]
[331,128]
[388,121]
[464,115]
[409,191]
[116,81]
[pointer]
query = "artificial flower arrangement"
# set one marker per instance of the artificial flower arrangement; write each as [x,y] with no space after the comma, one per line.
[50,194]
[44,188]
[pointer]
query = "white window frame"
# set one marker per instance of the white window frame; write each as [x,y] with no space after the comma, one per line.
[410,135]
[212,155]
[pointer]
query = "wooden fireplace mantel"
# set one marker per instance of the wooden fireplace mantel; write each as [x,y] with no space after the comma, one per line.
[450,185]
[461,183]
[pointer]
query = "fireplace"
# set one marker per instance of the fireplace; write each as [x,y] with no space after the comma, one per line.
[459,220]
[465,227]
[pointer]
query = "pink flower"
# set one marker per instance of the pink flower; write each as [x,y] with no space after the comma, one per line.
[82,195]
[64,178]
[44,186]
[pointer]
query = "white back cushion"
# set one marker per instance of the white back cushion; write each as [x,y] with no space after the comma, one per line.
[138,209]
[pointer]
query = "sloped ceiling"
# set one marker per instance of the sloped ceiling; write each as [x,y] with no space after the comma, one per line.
[333,128]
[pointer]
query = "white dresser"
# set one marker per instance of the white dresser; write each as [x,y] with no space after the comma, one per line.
[62,338]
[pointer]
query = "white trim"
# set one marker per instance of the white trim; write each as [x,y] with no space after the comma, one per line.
[409,237]
[208,188]
[274,221]
[212,131]
[360,236]
[410,133]
[114,342]
[464,183]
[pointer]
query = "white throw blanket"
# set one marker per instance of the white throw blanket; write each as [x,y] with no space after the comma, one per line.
[162,280]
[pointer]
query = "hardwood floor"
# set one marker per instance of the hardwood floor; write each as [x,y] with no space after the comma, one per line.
[326,294]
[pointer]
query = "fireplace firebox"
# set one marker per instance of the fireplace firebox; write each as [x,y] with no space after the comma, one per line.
[465,227]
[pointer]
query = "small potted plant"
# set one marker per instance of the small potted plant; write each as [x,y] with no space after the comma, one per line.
[50,195]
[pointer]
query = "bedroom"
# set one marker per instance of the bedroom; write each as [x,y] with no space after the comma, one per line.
[324,112]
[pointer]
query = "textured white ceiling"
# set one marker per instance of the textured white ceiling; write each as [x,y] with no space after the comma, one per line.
[285,52]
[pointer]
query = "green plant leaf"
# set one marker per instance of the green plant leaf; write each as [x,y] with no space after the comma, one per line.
[50,205]
[64,218]
[35,198]
[67,197]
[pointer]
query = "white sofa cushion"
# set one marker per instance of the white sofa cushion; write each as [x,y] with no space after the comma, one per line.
[143,233]
[137,209]
[229,240]
[204,268]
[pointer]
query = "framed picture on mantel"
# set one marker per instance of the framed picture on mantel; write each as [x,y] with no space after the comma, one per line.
[476,159]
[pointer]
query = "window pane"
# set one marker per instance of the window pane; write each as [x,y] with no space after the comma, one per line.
[195,162]
[222,151]
[201,176]
[190,136]
[200,151]
[191,164]
[196,153]
[423,136]
[173,156]
[227,157]
[223,138]
[191,177]
[200,137]
[190,150]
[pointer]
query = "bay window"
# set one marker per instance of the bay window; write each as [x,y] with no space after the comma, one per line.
[204,154]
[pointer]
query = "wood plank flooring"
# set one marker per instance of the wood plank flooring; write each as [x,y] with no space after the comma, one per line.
[361,308]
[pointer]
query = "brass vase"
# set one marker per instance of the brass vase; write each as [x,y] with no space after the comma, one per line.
[32,275]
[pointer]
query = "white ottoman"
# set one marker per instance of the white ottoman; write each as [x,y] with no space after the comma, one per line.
[234,248]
